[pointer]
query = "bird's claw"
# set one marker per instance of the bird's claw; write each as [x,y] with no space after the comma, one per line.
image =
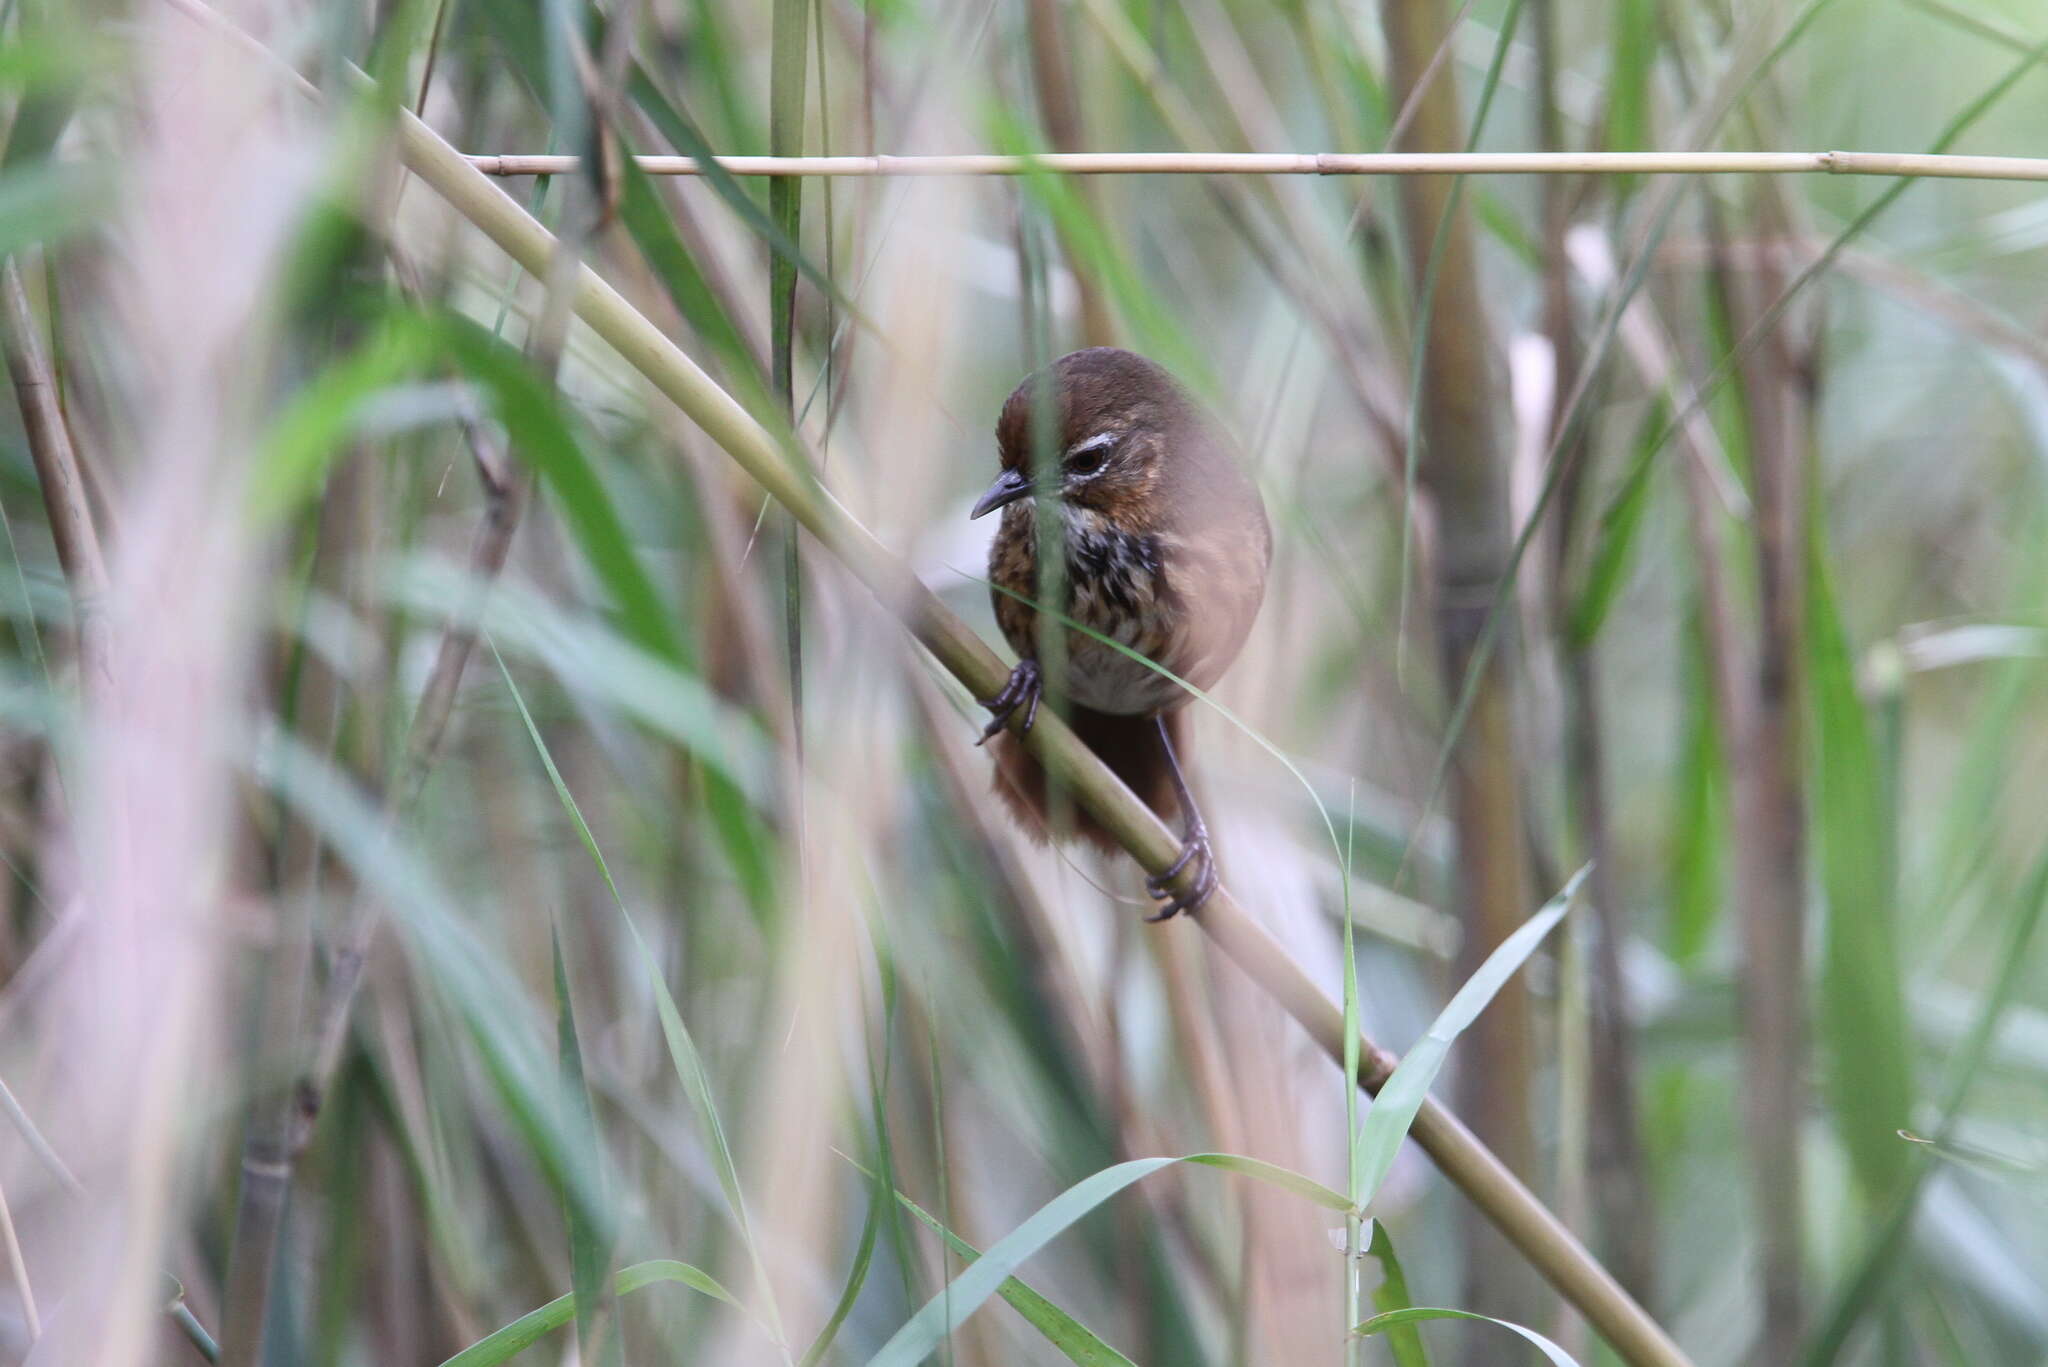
[1195,849]
[1024,688]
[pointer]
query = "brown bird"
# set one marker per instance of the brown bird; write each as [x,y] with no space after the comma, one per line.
[1166,548]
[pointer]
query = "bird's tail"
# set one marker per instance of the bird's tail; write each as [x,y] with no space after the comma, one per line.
[1128,745]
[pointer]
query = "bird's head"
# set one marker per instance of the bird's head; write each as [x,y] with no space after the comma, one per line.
[1116,426]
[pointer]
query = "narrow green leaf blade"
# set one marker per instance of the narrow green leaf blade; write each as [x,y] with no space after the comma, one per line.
[590,1236]
[1614,552]
[543,438]
[1862,1007]
[1393,1111]
[1060,1329]
[1391,1295]
[1379,1324]
[535,1325]
[967,1292]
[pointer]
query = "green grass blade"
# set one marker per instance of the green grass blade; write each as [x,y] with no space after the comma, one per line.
[312,430]
[856,1278]
[1100,253]
[542,437]
[1614,550]
[673,122]
[1074,1339]
[530,1328]
[1354,1154]
[683,1054]
[1394,1109]
[1632,63]
[967,1292]
[1872,1273]
[789,40]
[1862,1007]
[590,1241]
[485,995]
[323,416]
[596,663]
[788,65]
[48,203]
[1379,1324]
[654,232]
[1698,813]
[1392,1295]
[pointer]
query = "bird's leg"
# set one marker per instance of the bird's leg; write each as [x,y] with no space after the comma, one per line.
[1194,845]
[1025,687]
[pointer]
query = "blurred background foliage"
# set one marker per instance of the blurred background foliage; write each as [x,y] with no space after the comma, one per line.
[691,929]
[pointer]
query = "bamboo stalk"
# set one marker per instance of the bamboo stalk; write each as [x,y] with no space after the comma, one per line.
[1948,166]
[1542,1239]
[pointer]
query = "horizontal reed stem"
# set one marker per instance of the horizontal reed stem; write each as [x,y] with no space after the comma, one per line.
[1950,167]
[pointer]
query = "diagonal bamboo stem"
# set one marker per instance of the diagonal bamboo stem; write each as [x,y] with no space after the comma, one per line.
[1533,1229]
[1916,164]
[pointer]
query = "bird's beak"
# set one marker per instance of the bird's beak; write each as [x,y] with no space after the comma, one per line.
[1010,486]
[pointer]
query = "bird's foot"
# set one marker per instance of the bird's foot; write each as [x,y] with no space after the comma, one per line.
[1026,685]
[1195,850]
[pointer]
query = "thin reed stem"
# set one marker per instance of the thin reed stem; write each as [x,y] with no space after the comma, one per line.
[1950,166]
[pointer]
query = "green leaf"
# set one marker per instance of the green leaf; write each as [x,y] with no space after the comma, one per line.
[590,1240]
[856,1277]
[1394,1109]
[1632,61]
[446,951]
[967,1292]
[48,202]
[1392,1295]
[1379,1324]
[594,662]
[677,127]
[1061,1330]
[1614,552]
[689,1064]
[522,1333]
[1872,1273]
[789,41]
[312,429]
[324,415]
[1862,1008]
[542,437]
[654,232]
[1099,252]
[1697,809]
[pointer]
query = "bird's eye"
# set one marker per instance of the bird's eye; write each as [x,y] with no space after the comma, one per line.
[1086,457]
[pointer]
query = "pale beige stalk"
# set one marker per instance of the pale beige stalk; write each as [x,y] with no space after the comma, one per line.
[1948,166]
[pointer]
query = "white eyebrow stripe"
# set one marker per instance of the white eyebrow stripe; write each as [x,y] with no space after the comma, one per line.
[1099,440]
